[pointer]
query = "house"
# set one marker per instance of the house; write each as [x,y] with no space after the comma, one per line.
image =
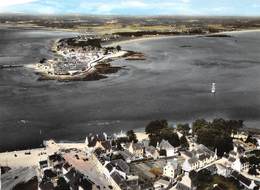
[43,164]
[105,145]
[190,164]
[113,167]
[240,135]
[54,160]
[136,149]
[119,180]
[249,184]
[51,176]
[238,164]
[165,145]
[76,180]
[171,169]
[121,165]
[185,183]
[152,152]
[199,157]
[91,139]
[161,184]
[66,168]
[128,157]
[223,170]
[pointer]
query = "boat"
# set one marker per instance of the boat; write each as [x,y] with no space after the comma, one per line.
[213,88]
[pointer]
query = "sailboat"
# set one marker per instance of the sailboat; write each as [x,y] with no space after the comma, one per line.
[213,88]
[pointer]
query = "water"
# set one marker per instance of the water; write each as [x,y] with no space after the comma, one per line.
[174,83]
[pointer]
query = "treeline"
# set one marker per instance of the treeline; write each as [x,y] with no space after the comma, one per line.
[214,134]
[159,130]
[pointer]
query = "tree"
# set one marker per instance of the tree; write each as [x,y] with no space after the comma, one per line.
[253,160]
[154,127]
[183,128]
[131,136]
[174,140]
[154,139]
[43,60]
[199,124]
[252,171]
[62,184]
[214,138]
[252,140]
[235,125]
[169,135]
[118,48]
[184,142]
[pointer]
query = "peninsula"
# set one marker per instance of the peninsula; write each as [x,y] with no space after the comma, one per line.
[81,58]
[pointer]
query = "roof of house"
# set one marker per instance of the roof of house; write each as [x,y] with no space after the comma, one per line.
[150,149]
[66,165]
[188,154]
[162,182]
[193,160]
[231,159]
[165,145]
[137,146]
[121,165]
[55,157]
[241,178]
[49,173]
[126,154]
[119,180]
[99,151]
[42,163]
[109,167]
[85,184]
[173,163]
[107,145]
[77,179]
[92,139]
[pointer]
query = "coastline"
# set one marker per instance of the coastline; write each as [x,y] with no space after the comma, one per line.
[158,37]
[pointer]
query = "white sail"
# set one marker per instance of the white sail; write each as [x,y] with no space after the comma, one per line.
[213,88]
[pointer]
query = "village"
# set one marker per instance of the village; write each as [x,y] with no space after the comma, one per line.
[78,58]
[135,160]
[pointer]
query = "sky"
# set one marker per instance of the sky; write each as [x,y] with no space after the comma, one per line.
[133,7]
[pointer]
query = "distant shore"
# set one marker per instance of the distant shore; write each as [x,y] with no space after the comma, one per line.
[158,37]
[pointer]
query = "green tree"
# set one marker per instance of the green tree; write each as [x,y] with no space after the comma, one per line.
[131,136]
[154,127]
[214,138]
[199,124]
[252,171]
[154,139]
[252,140]
[184,142]
[183,128]
[118,48]
[62,184]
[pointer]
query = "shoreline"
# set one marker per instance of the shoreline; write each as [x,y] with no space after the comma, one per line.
[158,37]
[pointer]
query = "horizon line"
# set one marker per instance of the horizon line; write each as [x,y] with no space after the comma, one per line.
[129,15]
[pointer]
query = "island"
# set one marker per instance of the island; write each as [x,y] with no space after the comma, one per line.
[81,58]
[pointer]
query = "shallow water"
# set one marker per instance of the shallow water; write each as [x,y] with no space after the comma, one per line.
[173,83]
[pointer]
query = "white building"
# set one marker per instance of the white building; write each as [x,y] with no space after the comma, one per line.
[184,184]
[161,184]
[165,145]
[223,170]
[170,169]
